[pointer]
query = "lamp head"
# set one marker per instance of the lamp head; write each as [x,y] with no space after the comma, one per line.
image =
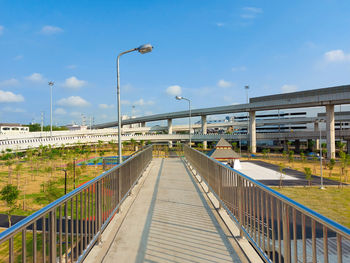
[145,48]
[51,83]
[178,97]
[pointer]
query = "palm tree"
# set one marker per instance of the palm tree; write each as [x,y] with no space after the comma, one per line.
[331,166]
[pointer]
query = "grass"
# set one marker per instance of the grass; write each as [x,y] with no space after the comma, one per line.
[333,202]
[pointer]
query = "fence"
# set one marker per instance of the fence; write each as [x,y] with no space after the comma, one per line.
[66,230]
[280,229]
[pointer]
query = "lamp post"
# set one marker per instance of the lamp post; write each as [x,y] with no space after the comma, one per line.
[142,49]
[65,180]
[320,145]
[189,119]
[51,83]
[247,97]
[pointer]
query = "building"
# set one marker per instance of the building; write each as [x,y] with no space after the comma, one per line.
[12,128]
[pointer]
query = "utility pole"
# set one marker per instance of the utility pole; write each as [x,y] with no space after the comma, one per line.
[42,121]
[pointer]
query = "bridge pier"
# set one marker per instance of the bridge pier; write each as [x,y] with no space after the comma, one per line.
[204,129]
[330,131]
[170,131]
[252,131]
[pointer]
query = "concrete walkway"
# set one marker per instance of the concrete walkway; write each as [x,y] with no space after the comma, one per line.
[171,221]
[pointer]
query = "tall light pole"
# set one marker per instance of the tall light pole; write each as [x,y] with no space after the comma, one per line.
[247,97]
[189,119]
[142,49]
[51,83]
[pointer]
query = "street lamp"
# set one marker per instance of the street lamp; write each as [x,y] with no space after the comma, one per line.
[65,180]
[320,145]
[143,50]
[51,83]
[189,120]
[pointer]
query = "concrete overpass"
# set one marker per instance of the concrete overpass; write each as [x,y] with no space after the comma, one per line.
[326,97]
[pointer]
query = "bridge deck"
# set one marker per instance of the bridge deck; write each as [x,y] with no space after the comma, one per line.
[171,221]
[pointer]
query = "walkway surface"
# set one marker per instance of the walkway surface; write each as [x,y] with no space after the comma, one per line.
[171,221]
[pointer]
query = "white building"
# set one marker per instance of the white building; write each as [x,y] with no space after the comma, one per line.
[12,128]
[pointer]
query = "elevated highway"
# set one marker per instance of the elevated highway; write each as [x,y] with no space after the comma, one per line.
[327,97]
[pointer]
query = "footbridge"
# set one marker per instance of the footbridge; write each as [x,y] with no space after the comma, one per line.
[175,205]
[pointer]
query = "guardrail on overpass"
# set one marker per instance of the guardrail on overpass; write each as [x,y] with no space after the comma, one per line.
[280,229]
[68,228]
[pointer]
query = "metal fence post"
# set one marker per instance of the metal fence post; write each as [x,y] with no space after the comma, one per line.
[99,210]
[240,206]
[286,234]
[52,233]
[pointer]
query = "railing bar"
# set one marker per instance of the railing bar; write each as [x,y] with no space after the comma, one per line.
[60,234]
[267,224]
[251,208]
[314,254]
[262,220]
[273,228]
[254,212]
[279,230]
[66,229]
[71,230]
[44,238]
[258,215]
[339,248]
[86,218]
[34,242]
[11,252]
[76,227]
[325,245]
[303,236]
[24,245]
[295,235]
[81,225]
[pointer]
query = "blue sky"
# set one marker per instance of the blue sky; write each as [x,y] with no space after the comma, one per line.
[205,50]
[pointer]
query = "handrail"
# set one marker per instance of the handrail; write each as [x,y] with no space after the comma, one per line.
[259,209]
[103,196]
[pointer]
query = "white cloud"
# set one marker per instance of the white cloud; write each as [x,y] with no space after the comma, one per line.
[241,68]
[289,88]
[142,102]
[19,57]
[174,90]
[36,77]
[9,82]
[74,83]
[127,88]
[71,66]
[106,106]
[73,101]
[251,12]
[50,30]
[125,102]
[225,84]
[148,113]
[1,29]
[337,55]
[60,111]
[15,110]
[75,114]
[8,96]
[220,24]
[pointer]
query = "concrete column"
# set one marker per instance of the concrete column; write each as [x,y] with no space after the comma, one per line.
[330,131]
[143,124]
[297,146]
[348,146]
[204,129]
[252,131]
[170,131]
[317,141]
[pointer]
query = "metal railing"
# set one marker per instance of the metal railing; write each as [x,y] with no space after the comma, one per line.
[280,229]
[66,229]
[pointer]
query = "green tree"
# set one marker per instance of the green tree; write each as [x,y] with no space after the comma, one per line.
[302,157]
[9,193]
[9,164]
[18,169]
[330,165]
[308,174]
[291,156]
